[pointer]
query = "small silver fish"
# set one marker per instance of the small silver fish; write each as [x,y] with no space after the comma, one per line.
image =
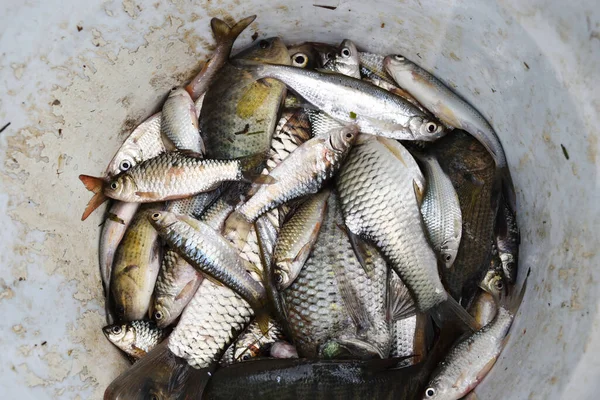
[508,239]
[136,338]
[303,172]
[441,211]
[346,60]
[179,121]
[252,343]
[473,357]
[453,111]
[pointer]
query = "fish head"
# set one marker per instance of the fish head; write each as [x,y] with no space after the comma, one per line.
[340,140]
[247,350]
[162,219]
[121,188]
[271,50]
[441,388]
[448,252]
[161,314]
[509,267]
[426,129]
[494,284]
[346,59]
[179,92]
[121,335]
[283,278]
[397,63]
[129,155]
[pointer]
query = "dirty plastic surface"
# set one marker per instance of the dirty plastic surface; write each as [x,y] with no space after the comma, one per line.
[74,79]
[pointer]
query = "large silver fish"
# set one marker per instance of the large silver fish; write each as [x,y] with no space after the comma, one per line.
[441,211]
[376,111]
[334,306]
[454,111]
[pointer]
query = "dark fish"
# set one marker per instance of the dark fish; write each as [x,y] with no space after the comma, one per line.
[472,172]
[508,239]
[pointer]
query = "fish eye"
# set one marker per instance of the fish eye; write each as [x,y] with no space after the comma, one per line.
[154,397]
[125,165]
[278,278]
[116,329]
[429,392]
[246,357]
[157,315]
[431,127]
[156,217]
[174,88]
[346,52]
[400,58]
[264,44]
[114,185]
[349,135]
[329,56]
[447,257]
[499,285]
[300,60]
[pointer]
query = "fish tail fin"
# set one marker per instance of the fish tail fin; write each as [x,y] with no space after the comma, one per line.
[513,301]
[224,33]
[237,227]
[263,320]
[450,311]
[92,183]
[160,371]
[95,202]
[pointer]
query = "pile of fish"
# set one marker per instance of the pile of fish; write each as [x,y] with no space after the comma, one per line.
[308,222]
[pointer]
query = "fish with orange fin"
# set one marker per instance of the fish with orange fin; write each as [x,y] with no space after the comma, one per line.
[225,36]
[168,176]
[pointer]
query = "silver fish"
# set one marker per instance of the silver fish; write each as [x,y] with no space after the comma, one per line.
[179,121]
[469,361]
[303,172]
[386,215]
[297,238]
[346,60]
[441,211]
[136,338]
[508,239]
[347,99]
[454,111]
[483,308]
[210,253]
[252,343]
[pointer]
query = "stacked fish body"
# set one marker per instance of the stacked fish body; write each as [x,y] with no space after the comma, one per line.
[288,232]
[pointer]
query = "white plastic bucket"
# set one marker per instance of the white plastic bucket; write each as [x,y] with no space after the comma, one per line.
[75,77]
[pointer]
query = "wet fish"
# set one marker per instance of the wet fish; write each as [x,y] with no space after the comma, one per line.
[167,176]
[315,379]
[303,172]
[176,284]
[345,61]
[441,211]
[135,268]
[252,343]
[135,338]
[181,367]
[297,238]
[196,205]
[293,129]
[372,70]
[224,36]
[454,111]
[210,253]
[317,54]
[470,360]
[494,281]
[118,219]
[143,143]
[238,114]
[508,239]
[483,308]
[471,171]
[386,215]
[376,111]
[179,121]
[334,307]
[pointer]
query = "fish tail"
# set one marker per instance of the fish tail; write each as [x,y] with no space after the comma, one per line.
[224,34]
[450,311]
[95,202]
[92,183]
[513,301]
[160,371]
[504,188]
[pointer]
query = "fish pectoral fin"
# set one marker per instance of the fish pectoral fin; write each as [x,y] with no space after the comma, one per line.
[186,291]
[214,280]
[450,311]
[262,320]
[392,146]
[149,195]
[400,303]
[265,180]
[361,250]
[419,192]
[486,368]
[355,308]
[190,153]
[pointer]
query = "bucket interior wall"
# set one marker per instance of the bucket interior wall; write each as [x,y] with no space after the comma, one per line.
[75,78]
